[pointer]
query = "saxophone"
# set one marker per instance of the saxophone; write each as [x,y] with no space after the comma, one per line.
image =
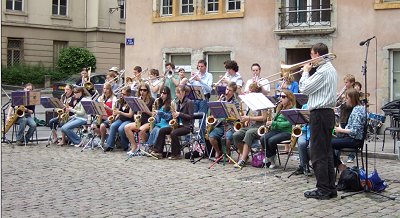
[63,115]
[19,112]
[152,119]
[174,122]
[238,125]
[296,133]
[264,128]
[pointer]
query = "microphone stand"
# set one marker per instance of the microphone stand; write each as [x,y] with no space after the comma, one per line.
[366,187]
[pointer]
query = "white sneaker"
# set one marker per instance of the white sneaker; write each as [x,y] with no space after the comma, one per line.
[272,161]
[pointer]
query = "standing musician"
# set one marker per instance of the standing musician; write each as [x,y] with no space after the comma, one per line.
[204,79]
[183,115]
[110,101]
[321,88]
[244,137]
[26,120]
[288,83]
[163,115]
[144,94]
[122,116]
[154,82]
[170,79]
[182,77]
[137,79]
[232,75]
[264,83]
[84,76]
[67,101]
[280,128]
[78,119]
[111,77]
[219,130]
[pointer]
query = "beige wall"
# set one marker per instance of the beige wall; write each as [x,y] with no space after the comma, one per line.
[99,31]
[252,39]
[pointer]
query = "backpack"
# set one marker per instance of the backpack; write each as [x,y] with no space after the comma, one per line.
[258,160]
[349,180]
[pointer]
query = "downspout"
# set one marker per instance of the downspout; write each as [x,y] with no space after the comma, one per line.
[86,15]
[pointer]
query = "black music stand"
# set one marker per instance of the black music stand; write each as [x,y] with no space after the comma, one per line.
[196,93]
[301,99]
[94,109]
[295,117]
[4,108]
[228,112]
[138,105]
[51,102]
[220,90]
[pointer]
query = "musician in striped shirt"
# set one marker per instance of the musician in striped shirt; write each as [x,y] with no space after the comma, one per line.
[321,90]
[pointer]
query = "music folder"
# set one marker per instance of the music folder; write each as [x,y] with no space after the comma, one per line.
[137,104]
[93,107]
[196,93]
[51,102]
[223,110]
[256,101]
[301,98]
[99,88]
[296,116]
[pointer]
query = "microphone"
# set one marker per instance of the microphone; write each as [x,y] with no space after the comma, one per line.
[363,42]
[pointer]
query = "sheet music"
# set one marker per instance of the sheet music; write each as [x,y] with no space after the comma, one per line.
[297,116]
[143,107]
[256,101]
[99,107]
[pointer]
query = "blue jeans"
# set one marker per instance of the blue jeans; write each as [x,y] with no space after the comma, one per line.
[202,106]
[68,129]
[118,126]
[23,122]
[302,145]
[53,123]
[153,136]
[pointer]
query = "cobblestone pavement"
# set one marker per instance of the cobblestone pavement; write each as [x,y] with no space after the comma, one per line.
[64,182]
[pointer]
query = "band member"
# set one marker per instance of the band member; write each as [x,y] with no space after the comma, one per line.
[78,119]
[244,137]
[26,120]
[264,83]
[232,75]
[204,79]
[170,79]
[321,88]
[219,130]
[144,94]
[84,76]
[182,77]
[110,102]
[111,78]
[288,83]
[280,128]
[137,79]
[183,115]
[122,116]
[163,115]
[303,146]
[353,132]
[67,101]
[154,82]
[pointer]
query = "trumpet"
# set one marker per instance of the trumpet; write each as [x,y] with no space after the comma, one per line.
[219,81]
[169,74]
[194,76]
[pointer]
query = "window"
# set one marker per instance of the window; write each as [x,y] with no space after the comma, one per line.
[307,12]
[166,7]
[15,5]
[60,7]
[212,6]
[182,61]
[122,11]
[187,7]
[14,51]
[216,63]
[395,77]
[234,5]
[57,46]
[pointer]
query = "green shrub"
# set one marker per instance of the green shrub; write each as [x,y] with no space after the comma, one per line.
[72,59]
[24,73]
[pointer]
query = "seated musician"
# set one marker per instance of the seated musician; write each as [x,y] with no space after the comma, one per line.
[109,100]
[303,146]
[162,114]
[280,128]
[144,94]
[244,137]
[219,130]
[78,119]
[182,115]
[26,120]
[182,77]
[353,132]
[137,79]
[232,75]
[66,99]
[84,76]
[287,83]
[123,115]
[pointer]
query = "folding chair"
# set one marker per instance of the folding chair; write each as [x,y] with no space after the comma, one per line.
[14,132]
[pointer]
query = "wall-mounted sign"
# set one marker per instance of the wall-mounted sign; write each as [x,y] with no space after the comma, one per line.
[130,41]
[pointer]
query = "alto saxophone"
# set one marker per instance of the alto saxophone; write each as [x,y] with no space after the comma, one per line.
[238,125]
[174,122]
[19,112]
[264,128]
[152,119]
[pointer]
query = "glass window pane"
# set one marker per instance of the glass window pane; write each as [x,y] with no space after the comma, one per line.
[63,10]
[9,4]
[55,9]
[216,63]
[396,75]
[63,2]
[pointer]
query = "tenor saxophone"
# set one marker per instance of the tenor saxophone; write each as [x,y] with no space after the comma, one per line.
[152,119]
[19,112]
[174,122]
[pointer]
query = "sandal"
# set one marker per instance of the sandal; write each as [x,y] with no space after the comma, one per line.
[61,143]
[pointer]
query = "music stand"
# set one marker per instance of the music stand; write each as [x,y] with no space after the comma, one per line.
[256,101]
[295,117]
[196,93]
[137,104]
[228,112]
[99,88]
[51,102]
[301,99]
[95,109]
[220,90]
[4,108]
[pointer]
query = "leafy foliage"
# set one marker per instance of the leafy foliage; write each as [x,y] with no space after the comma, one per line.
[23,73]
[73,59]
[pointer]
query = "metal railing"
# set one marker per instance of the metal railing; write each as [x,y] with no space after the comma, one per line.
[309,16]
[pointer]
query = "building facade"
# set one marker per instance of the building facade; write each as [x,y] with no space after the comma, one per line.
[35,31]
[269,33]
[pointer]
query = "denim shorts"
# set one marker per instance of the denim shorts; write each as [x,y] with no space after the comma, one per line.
[219,132]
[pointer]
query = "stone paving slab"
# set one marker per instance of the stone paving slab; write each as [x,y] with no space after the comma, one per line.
[64,182]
